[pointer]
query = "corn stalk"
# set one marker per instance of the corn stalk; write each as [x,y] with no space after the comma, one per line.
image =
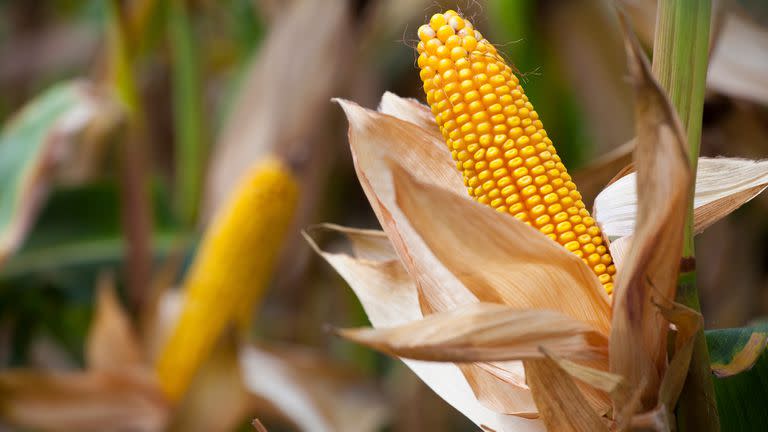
[680,62]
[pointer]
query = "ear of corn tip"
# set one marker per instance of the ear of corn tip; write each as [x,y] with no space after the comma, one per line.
[498,141]
[232,267]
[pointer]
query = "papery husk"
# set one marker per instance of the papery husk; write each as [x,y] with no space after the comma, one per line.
[389,297]
[310,392]
[638,332]
[117,392]
[560,402]
[738,66]
[687,324]
[112,344]
[500,259]
[379,141]
[264,120]
[483,332]
[722,186]
[67,401]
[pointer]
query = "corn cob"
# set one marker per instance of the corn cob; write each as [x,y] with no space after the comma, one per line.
[232,267]
[498,142]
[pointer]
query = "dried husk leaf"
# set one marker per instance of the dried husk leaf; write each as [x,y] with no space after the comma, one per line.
[412,111]
[499,258]
[101,400]
[390,297]
[112,344]
[502,389]
[687,322]
[722,186]
[485,332]
[264,120]
[612,384]
[638,331]
[745,358]
[739,66]
[217,384]
[313,396]
[561,405]
[378,142]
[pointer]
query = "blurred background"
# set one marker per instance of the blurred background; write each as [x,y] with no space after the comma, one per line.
[168,102]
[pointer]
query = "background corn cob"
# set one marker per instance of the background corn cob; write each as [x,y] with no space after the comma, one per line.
[498,142]
[233,266]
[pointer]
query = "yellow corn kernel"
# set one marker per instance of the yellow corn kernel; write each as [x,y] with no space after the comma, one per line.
[232,267]
[500,125]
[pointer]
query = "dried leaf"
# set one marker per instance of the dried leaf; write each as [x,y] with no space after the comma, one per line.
[314,398]
[86,401]
[378,141]
[32,145]
[389,297]
[112,344]
[265,119]
[722,186]
[218,385]
[688,322]
[738,65]
[484,332]
[499,390]
[610,383]
[499,258]
[412,111]
[638,331]
[561,405]
[385,290]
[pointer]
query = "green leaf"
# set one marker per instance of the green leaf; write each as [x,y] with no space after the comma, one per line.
[47,287]
[31,145]
[741,397]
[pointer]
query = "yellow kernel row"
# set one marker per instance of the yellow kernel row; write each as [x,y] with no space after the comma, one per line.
[498,141]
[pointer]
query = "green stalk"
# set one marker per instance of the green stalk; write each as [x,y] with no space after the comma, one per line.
[187,113]
[680,59]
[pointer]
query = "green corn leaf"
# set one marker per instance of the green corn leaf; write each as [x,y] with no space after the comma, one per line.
[740,367]
[32,143]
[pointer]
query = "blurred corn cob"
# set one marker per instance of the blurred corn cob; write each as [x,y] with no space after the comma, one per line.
[498,142]
[233,265]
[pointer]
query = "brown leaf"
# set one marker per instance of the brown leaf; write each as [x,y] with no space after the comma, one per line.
[561,405]
[610,383]
[687,322]
[722,186]
[412,111]
[279,101]
[83,401]
[738,66]
[379,141]
[112,344]
[310,392]
[217,400]
[389,297]
[382,285]
[485,332]
[498,258]
[638,333]
[507,396]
